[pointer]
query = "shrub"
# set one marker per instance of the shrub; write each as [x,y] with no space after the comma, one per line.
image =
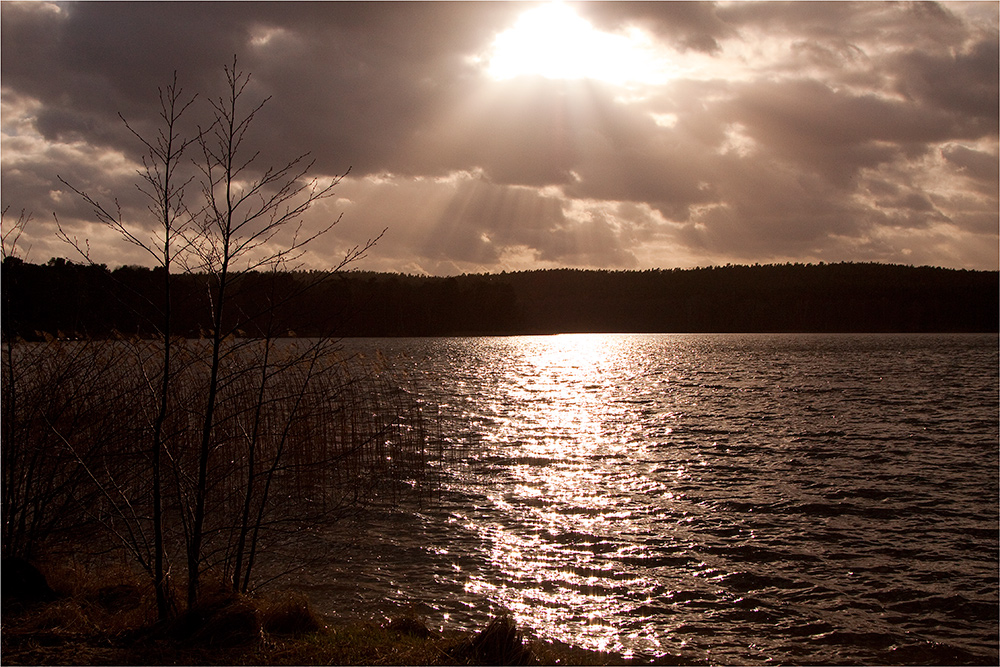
[302,439]
[291,615]
[499,643]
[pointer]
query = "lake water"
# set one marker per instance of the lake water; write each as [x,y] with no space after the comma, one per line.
[745,499]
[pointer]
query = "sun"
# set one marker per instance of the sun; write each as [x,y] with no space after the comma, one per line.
[554,42]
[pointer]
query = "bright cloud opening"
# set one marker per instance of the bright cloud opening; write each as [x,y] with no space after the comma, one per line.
[554,42]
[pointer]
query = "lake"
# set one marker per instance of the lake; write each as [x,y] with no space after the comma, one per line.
[738,498]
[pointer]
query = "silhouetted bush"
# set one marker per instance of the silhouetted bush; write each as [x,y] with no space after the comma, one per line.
[291,615]
[499,643]
[308,436]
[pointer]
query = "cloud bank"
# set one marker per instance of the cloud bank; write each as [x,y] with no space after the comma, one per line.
[770,133]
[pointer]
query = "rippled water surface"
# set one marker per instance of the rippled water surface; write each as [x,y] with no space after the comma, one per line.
[735,498]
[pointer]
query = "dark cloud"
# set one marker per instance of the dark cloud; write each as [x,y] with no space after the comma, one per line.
[838,133]
[912,24]
[687,25]
[964,82]
[788,131]
[977,165]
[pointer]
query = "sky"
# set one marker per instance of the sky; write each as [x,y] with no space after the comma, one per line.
[488,137]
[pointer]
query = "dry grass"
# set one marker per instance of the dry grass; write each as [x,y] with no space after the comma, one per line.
[289,615]
[228,629]
[110,603]
[106,616]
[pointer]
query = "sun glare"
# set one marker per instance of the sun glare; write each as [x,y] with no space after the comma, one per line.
[554,42]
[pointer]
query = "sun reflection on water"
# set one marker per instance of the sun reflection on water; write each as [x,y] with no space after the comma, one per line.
[710,499]
[563,498]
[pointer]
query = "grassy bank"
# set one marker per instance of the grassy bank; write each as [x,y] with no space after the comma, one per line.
[110,619]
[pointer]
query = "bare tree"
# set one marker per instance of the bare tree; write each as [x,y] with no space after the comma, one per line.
[244,213]
[39,481]
[237,418]
[10,235]
[164,191]
[14,478]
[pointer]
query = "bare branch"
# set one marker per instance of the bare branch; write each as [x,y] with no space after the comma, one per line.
[11,235]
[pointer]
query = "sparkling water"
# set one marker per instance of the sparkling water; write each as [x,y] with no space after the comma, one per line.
[731,498]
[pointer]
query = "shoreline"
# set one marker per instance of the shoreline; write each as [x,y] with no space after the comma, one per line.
[229,638]
[109,618]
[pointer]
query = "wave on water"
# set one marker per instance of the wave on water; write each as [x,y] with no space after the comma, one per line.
[745,499]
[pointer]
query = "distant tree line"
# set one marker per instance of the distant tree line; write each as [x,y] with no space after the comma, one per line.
[69,299]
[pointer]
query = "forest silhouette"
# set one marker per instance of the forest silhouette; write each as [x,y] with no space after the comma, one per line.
[65,299]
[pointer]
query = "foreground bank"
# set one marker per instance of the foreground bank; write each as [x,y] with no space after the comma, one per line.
[79,618]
